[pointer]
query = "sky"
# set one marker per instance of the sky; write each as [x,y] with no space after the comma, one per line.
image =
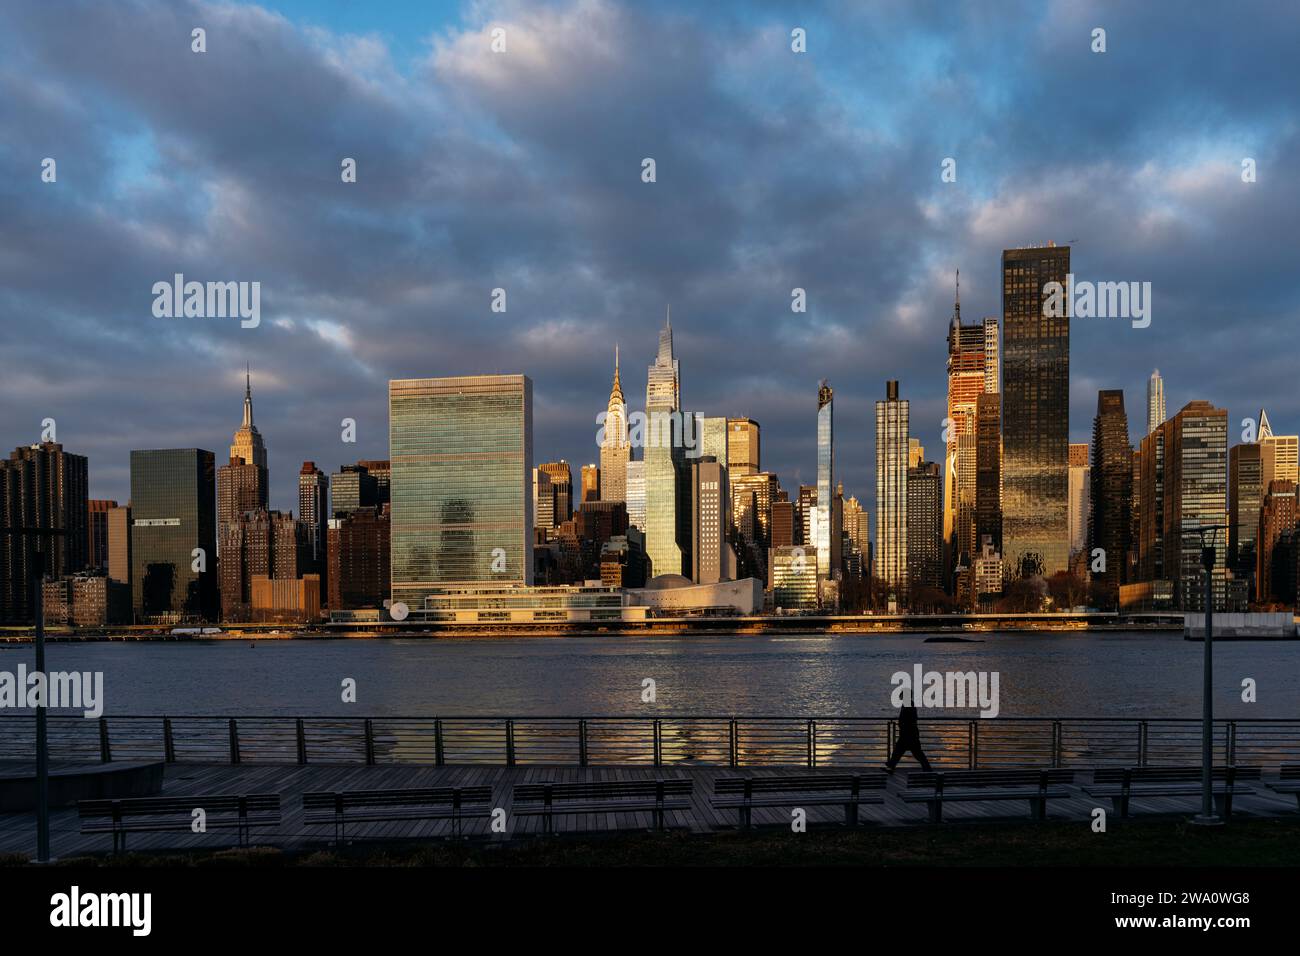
[522,170]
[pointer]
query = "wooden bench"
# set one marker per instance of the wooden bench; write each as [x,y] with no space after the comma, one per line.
[176,814]
[341,807]
[743,794]
[1035,786]
[620,796]
[1288,781]
[1123,784]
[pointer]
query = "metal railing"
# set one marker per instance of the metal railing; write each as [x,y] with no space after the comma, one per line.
[650,741]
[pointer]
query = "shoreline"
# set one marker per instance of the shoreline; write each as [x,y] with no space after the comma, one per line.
[947,632]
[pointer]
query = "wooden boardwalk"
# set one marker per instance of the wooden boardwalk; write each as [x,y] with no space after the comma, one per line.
[17,830]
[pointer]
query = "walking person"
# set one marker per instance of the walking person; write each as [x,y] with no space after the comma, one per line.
[909,738]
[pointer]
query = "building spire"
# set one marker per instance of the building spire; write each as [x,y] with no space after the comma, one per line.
[248,397]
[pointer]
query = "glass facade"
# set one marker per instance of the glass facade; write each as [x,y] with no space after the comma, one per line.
[891,488]
[173,511]
[1035,415]
[1111,484]
[634,493]
[743,447]
[461,457]
[825,534]
[667,522]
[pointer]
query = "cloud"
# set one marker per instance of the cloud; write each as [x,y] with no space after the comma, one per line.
[521,170]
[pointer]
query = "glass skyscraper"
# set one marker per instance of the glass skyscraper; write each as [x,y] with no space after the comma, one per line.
[664,456]
[826,537]
[1035,414]
[1155,401]
[173,512]
[891,487]
[461,452]
[634,494]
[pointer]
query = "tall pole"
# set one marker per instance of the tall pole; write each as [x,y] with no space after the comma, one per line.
[1207,816]
[42,745]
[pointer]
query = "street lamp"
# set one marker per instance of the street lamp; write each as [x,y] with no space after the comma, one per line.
[1207,816]
[42,742]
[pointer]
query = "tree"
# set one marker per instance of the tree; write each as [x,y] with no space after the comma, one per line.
[1023,596]
[1067,589]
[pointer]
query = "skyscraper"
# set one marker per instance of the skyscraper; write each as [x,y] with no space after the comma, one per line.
[826,534]
[97,532]
[711,555]
[41,486]
[615,449]
[1245,497]
[561,488]
[634,495]
[1110,523]
[1277,518]
[261,543]
[891,488]
[313,510]
[751,515]
[988,471]
[743,447]
[1184,488]
[591,483]
[666,530]
[1155,401]
[353,487]
[1035,414]
[119,544]
[543,502]
[173,535]
[461,452]
[1080,496]
[359,555]
[1279,454]
[972,371]
[242,483]
[924,526]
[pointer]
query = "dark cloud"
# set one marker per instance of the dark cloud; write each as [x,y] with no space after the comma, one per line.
[522,171]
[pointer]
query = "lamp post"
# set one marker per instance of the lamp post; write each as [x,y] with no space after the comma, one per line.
[1207,816]
[42,741]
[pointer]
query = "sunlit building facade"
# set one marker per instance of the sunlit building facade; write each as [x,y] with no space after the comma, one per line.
[1035,414]
[461,453]
[891,488]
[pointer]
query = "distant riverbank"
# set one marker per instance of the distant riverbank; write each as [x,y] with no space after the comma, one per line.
[953,625]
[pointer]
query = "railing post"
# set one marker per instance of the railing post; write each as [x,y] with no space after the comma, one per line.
[812,743]
[234,741]
[1143,732]
[582,743]
[437,741]
[1056,743]
[370,743]
[973,746]
[658,743]
[302,742]
[1232,743]
[169,743]
[732,746]
[510,742]
[105,755]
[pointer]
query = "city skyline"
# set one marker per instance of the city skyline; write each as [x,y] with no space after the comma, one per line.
[588,254]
